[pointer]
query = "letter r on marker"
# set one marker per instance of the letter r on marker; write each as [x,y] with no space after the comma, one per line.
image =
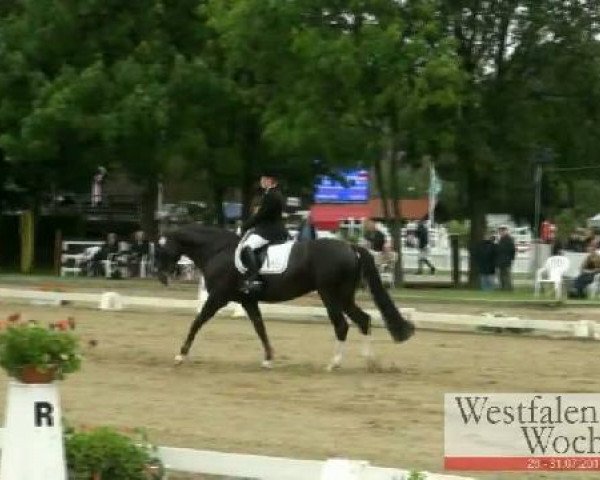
[43,411]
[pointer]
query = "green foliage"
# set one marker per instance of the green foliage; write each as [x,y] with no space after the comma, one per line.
[111,455]
[567,222]
[461,229]
[416,475]
[217,87]
[22,345]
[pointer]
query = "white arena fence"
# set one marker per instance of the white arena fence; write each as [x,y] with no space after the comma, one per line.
[584,329]
[277,468]
[442,260]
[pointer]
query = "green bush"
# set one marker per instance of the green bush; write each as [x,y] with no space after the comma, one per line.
[110,455]
[415,475]
[461,229]
[30,344]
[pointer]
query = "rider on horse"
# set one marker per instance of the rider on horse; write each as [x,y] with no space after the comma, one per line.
[267,227]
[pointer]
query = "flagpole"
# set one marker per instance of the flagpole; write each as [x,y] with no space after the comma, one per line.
[431,194]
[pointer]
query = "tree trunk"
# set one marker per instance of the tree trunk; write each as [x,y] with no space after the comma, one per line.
[247,188]
[149,202]
[27,233]
[477,209]
[250,148]
[3,177]
[394,159]
[218,194]
[383,196]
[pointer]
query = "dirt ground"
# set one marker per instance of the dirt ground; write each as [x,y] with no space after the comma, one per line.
[222,400]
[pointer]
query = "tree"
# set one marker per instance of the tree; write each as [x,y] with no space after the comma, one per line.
[375,83]
[504,47]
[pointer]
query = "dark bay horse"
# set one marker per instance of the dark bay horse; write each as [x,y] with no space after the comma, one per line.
[331,267]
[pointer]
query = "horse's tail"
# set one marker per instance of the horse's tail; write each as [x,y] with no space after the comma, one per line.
[400,329]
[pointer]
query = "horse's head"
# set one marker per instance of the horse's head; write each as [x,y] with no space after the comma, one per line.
[167,256]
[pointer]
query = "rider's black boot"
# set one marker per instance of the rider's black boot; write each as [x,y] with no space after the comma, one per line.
[252,284]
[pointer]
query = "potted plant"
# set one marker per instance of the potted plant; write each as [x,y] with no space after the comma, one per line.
[34,354]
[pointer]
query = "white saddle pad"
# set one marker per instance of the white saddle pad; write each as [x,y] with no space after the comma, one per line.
[276,261]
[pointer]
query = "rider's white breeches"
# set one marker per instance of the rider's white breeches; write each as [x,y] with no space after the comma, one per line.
[255,241]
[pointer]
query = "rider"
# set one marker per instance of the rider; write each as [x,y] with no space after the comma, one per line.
[267,227]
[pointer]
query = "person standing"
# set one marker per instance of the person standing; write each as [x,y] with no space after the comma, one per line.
[423,244]
[486,262]
[506,253]
[307,230]
[97,183]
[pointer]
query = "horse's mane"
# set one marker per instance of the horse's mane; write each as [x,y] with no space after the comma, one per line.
[195,233]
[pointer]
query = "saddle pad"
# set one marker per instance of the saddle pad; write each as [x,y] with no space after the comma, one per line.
[276,260]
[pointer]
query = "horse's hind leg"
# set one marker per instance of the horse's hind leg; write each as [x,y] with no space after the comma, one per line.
[211,306]
[363,320]
[253,312]
[357,315]
[340,326]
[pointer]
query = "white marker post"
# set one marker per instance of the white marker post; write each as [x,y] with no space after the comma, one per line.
[33,447]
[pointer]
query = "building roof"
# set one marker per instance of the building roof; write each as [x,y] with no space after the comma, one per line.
[326,216]
[410,208]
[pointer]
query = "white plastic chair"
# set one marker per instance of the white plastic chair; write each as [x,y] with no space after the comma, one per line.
[552,272]
[594,287]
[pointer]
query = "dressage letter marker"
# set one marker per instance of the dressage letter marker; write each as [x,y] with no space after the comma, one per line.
[33,437]
[43,410]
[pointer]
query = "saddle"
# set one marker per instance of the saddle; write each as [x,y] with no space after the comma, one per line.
[273,258]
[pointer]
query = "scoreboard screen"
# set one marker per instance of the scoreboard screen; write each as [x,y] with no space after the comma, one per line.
[354,189]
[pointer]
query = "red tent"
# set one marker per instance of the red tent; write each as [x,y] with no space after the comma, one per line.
[327,216]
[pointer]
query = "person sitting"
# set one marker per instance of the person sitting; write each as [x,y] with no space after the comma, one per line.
[108,251]
[139,251]
[267,227]
[380,247]
[374,237]
[589,269]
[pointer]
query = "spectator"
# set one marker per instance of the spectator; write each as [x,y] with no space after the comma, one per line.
[108,252]
[506,252]
[485,255]
[307,230]
[548,232]
[97,184]
[140,250]
[423,244]
[374,237]
[589,268]
[376,242]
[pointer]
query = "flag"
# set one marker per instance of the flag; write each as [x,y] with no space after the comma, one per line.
[435,188]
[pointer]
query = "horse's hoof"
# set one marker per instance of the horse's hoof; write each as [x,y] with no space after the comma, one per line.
[373,365]
[332,366]
[267,364]
[179,359]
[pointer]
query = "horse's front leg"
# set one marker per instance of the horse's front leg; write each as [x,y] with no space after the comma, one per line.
[251,308]
[213,304]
